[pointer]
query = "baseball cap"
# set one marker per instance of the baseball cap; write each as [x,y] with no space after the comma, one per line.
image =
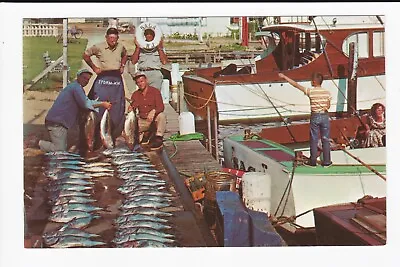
[138,74]
[83,71]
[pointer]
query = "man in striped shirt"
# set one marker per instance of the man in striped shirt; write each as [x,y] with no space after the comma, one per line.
[320,102]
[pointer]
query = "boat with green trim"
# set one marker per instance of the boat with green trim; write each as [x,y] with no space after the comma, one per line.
[297,189]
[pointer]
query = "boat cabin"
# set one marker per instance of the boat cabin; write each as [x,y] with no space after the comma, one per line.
[291,46]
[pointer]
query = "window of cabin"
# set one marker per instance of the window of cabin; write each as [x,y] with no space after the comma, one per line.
[361,43]
[379,44]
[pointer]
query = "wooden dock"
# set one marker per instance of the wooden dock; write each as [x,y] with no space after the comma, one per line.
[188,157]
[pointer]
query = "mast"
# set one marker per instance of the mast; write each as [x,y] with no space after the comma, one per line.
[352,80]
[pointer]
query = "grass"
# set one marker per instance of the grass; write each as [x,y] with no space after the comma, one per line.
[33,62]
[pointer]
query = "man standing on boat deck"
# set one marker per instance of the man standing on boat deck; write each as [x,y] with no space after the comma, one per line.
[320,102]
[150,61]
[108,85]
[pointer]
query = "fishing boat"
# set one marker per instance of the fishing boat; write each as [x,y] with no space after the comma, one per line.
[297,189]
[252,94]
[355,223]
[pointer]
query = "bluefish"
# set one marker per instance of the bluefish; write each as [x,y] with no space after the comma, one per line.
[65,153]
[67,232]
[71,187]
[134,230]
[105,130]
[67,193]
[128,175]
[89,129]
[97,169]
[110,151]
[74,206]
[129,127]
[75,181]
[62,217]
[75,241]
[130,189]
[145,211]
[135,180]
[65,162]
[139,217]
[73,200]
[128,159]
[136,237]
[148,224]
[82,222]
[145,192]
[145,204]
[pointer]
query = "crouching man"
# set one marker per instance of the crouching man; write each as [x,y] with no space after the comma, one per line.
[151,121]
[65,112]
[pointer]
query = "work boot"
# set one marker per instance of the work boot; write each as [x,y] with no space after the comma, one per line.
[156,143]
[146,138]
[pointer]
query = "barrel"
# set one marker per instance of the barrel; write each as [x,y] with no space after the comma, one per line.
[165,93]
[256,190]
[215,181]
[186,123]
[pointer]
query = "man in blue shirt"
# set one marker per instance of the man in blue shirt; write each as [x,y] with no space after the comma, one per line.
[65,111]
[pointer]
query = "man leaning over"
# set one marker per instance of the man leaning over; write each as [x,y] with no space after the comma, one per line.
[65,111]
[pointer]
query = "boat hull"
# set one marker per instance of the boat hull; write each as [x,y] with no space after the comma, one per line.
[310,188]
[269,100]
[352,224]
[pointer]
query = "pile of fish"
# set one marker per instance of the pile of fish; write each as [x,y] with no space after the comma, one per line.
[141,221]
[70,190]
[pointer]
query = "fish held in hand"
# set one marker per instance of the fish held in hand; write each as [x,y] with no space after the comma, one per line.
[105,130]
[129,128]
[89,129]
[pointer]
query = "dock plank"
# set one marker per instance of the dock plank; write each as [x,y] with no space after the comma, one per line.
[189,157]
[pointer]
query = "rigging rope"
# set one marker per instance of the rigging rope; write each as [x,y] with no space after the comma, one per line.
[288,186]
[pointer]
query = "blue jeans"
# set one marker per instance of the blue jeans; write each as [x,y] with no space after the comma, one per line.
[320,124]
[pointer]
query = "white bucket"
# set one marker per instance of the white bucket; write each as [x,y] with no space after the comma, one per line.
[175,74]
[165,91]
[256,189]
[186,123]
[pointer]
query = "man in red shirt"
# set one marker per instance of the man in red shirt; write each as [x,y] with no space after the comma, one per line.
[148,103]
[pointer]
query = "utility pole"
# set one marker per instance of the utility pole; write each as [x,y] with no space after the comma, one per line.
[200,31]
[65,52]
[245,32]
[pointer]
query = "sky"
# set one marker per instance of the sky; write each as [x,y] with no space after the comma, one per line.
[12,252]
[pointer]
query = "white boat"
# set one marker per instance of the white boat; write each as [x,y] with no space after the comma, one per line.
[296,190]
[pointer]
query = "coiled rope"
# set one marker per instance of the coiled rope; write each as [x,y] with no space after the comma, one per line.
[184,137]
